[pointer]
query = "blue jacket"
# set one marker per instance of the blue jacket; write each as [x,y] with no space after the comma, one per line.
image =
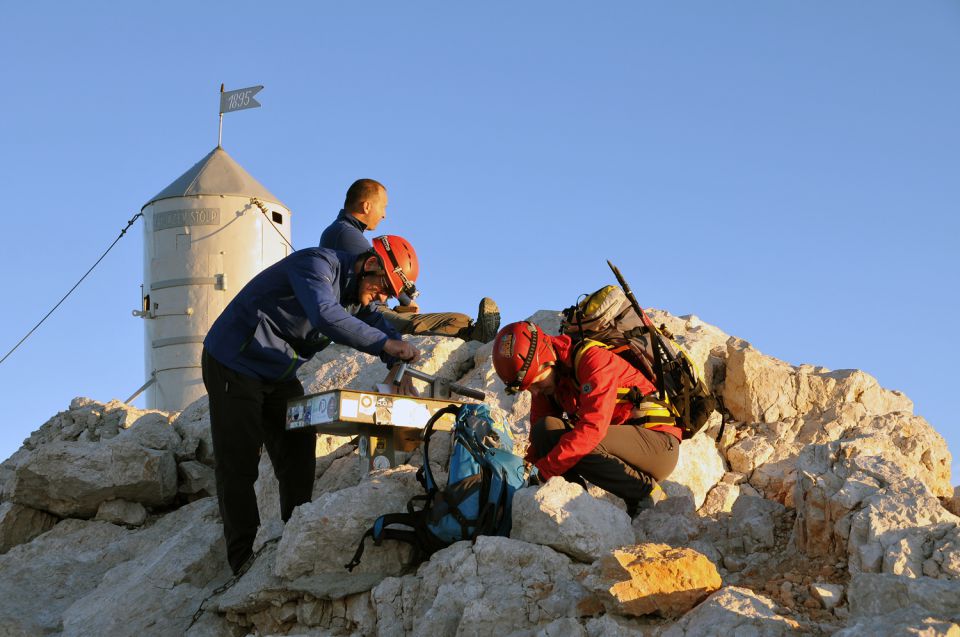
[291,311]
[345,234]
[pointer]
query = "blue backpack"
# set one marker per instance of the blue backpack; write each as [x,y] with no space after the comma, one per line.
[484,474]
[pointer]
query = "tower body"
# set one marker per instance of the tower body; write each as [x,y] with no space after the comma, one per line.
[204,239]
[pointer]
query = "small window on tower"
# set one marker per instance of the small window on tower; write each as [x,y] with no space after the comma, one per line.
[277,217]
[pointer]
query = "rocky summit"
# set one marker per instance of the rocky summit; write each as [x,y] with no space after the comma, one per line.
[824,508]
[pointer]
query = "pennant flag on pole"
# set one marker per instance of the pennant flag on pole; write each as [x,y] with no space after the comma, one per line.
[239,99]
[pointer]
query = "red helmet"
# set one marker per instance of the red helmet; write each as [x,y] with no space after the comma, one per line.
[519,351]
[399,262]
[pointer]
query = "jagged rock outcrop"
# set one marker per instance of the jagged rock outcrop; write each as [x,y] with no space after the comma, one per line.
[760,389]
[647,579]
[824,508]
[563,516]
[867,508]
[735,611]
[321,535]
[184,561]
[699,468]
[121,512]
[891,605]
[19,524]
[492,587]
[72,479]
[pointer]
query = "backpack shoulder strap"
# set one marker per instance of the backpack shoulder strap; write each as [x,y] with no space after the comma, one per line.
[380,531]
[624,394]
[579,350]
[425,475]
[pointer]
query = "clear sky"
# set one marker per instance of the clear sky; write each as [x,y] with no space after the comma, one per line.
[786,171]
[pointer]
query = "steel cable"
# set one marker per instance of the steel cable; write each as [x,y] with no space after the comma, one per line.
[122,232]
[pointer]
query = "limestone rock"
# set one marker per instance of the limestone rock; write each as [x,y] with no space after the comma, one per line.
[907,441]
[759,388]
[73,478]
[876,594]
[496,586]
[196,479]
[563,516]
[272,605]
[863,475]
[8,470]
[952,504]
[913,621]
[699,467]
[337,469]
[266,604]
[267,490]
[327,445]
[752,523]
[42,578]
[907,527]
[89,421]
[342,473]
[829,595]
[734,611]
[186,564]
[612,626]
[749,453]
[321,535]
[211,625]
[653,579]
[672,521]
[193,426]
[864,506]
[339,366]
[768,452]
[152,431]
[720,499]
[20,524]
[122,512]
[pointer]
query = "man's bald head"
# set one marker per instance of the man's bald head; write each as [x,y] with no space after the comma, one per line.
[362,190]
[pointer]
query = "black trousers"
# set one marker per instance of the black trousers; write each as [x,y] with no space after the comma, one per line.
[245,414]
[628,462]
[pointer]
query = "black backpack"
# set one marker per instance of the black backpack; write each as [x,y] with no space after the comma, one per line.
[609,319]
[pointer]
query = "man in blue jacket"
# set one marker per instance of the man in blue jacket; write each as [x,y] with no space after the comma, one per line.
[364,207]
[251,354]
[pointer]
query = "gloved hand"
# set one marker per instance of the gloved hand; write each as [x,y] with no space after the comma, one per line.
[534,478]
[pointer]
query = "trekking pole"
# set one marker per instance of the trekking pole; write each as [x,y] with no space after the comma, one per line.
[657,342]
[659,348]
[626,290]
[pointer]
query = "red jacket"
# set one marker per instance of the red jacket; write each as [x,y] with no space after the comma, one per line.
[592,406]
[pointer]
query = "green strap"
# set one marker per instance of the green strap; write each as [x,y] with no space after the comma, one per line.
[290,367]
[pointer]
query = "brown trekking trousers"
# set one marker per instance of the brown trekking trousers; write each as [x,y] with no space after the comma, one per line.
[435,324]
[628,462]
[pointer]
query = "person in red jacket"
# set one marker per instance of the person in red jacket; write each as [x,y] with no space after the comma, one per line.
[582,427]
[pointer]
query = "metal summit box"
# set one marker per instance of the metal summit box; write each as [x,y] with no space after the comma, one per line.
[387,425]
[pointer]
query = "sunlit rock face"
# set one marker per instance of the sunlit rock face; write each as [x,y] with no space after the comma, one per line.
[825,507]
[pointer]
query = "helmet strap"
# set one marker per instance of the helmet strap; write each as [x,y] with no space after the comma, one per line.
[531,353]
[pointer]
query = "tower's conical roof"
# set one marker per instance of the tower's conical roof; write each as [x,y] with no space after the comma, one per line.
[216,174]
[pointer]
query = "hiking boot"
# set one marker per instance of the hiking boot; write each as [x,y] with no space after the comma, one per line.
[636,507]
[487,323]
[244,566]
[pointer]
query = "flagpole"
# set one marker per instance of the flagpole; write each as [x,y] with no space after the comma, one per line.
[236,100]
[220,132]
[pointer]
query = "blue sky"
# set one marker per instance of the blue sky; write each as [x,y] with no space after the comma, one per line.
[786,171]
